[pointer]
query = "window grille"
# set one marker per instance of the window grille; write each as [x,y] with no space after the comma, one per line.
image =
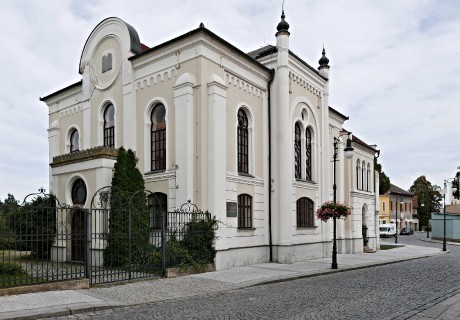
[158,138]
[297,152]
[109,126]
[244,211]
[308,155]
[305,212]
[243,142]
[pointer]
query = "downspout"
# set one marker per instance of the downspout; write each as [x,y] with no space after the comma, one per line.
[270,244]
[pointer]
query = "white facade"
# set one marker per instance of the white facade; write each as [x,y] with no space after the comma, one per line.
[226,135]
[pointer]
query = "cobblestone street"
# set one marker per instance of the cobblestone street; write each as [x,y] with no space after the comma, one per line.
[393,291]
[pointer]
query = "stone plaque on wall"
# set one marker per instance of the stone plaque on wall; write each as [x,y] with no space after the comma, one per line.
[232,209]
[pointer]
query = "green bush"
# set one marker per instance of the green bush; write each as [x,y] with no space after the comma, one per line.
[10,268]
[199,239]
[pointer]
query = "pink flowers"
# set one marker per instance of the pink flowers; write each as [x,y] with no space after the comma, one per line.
[329,210]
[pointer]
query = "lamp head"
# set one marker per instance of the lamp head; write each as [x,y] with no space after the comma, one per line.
[348,149]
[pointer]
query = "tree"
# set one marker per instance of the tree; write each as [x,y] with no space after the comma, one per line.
[129,219]
[384,180]
[34,225]
[428,195]
[456,184]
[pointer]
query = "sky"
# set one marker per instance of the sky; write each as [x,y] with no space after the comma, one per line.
[395,69]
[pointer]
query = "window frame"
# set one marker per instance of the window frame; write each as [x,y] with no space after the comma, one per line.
[243,141]
[297,151]
[158,140]
[155,222]
[108,131]
[305,216]
[72,147]
[308,155]
[244,203]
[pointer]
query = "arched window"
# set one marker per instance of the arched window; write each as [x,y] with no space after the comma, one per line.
[244,211]
[74,141]
[305,214]
[358,169]
[308,156]
[368,185]
[109,126]
[79,192]
[297,151]
[363,168]
[158,204]
[158,138]
[243,142]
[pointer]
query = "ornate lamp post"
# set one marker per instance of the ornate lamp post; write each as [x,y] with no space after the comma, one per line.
[427,229]
[348,153]
[444,191]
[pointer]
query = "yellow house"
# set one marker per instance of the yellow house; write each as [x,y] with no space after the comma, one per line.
[384,216]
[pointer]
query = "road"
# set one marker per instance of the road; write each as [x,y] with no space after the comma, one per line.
[393,291]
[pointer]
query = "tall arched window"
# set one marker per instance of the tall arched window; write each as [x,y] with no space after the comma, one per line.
[158,138]
[243,142]
[297,151]
[358,170]
[305,213]
[158,204]
[244,211]
[363,169]
[109,126]
[308,155]
[74,141]
[368,185]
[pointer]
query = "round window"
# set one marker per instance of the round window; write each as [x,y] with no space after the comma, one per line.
[79,192]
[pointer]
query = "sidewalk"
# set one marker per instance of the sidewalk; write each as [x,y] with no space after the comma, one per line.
[61,303]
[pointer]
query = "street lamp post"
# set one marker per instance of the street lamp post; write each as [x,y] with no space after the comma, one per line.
[444,209]
[427,229]
[444,191]
[396,220]
[348,152]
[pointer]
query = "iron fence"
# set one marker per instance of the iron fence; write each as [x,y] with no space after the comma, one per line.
[113,240]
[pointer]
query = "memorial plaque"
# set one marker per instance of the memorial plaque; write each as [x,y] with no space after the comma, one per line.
[232,209]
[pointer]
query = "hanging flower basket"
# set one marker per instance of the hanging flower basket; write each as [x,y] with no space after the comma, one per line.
[329,210]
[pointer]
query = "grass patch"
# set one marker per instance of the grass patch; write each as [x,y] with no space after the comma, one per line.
[387,247]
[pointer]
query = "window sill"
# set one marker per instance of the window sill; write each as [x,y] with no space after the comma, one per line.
[307,228]
[246,229]
[156,171]
[304,180]
[244,174]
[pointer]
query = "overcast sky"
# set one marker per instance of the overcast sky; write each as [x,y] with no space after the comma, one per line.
[395,69]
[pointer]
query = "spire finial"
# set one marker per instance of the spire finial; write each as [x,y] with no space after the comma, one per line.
[283,25]
[323,61]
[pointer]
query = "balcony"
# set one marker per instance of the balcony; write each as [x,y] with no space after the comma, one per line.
[102,152]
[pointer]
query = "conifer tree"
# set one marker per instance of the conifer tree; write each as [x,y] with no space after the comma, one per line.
[129,218]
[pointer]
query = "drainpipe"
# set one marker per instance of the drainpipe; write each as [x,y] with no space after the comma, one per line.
[272,76]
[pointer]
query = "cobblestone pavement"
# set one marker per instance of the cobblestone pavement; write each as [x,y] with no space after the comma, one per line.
[395,291]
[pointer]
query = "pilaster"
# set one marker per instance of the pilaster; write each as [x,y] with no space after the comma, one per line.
[184,138]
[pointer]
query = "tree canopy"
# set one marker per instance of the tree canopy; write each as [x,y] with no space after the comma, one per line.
[384,180]
[429,196]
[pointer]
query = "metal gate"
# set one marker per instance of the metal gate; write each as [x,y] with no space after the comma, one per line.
[118,238]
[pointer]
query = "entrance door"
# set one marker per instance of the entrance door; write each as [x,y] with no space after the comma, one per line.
[78,235]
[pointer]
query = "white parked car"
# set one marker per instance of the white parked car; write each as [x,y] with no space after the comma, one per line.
[387,230]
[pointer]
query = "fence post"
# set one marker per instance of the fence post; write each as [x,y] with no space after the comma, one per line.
[129,242]
[88,259]
[164,216]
